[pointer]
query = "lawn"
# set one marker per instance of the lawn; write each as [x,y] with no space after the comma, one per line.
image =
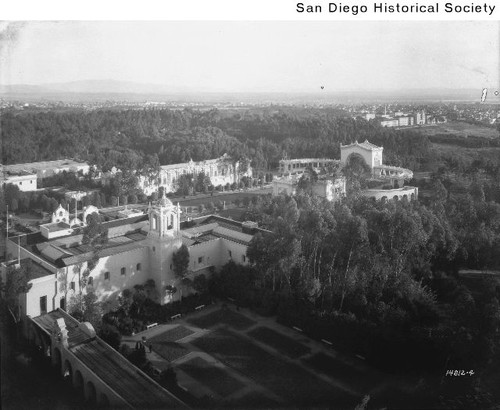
[253,399]
[172,335]
[341,371]
[224,316]
[170,351]
[215,378]
[164,343]
[459,128]
[280,342]
[294,384]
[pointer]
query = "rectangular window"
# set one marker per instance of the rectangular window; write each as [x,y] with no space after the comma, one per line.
[43,305]
[243,258]
[230,254]
[72,285]
[123,271]
[138,267]
[200,259]
[106,275]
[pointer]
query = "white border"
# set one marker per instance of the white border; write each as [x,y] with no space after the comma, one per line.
[236,10]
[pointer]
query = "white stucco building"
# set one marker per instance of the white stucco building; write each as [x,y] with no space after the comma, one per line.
[298,166]
[23,180]
[335,189]
[138,248]
[331,189]
[45,169]
[221,171]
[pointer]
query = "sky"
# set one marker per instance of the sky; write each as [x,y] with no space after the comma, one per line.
[239,56]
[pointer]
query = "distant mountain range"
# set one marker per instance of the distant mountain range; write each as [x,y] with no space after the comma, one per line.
[91,87]
[124,90]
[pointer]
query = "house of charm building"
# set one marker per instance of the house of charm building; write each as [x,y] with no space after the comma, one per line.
[221,171]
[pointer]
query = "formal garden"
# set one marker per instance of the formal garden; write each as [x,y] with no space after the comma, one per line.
[217,353]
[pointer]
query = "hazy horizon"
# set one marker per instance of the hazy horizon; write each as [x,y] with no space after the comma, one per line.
[243,57]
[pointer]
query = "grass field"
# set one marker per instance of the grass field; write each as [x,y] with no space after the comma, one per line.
[172,335]
[467,155]
[295,385]
[227,317]
[164,343]
[170,351]
[279,341]
[461,129]
[342,371]
[217,379]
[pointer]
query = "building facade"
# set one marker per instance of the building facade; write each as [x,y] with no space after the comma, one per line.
[331,189]
[335,189]
[139,248]
[221,171]
[24,181]
[299,165]
[45,169]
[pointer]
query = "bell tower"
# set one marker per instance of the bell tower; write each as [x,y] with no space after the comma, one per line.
[164,238]
[164,219]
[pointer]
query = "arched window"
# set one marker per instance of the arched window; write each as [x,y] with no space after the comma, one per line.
[155,222]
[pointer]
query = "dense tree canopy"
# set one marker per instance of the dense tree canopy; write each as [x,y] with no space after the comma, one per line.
[142,139]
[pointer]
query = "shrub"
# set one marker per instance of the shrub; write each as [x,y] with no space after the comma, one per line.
[110,335]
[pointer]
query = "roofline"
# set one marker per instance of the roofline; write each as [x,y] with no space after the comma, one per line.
[116,354]
[357,144]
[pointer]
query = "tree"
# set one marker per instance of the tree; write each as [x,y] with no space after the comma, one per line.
[14,205]
[125,301]
[12,193]
[275,255]
[110,335]
[200,284]
[202,183]
[86,308]
[95,235]
[16,284]
[132,199]
[180,261]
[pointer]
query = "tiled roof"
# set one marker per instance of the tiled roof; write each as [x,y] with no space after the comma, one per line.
[36,270]
[42,165]
[75,334]
[52,252]
[114,250]
[235,236]
[199,230]
[126,380]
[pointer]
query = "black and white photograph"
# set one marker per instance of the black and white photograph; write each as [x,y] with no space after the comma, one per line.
[245,214]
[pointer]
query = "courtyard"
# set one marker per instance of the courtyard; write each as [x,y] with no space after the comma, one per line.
[237,359]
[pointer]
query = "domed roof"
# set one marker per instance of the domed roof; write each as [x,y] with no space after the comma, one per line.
[164,201]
